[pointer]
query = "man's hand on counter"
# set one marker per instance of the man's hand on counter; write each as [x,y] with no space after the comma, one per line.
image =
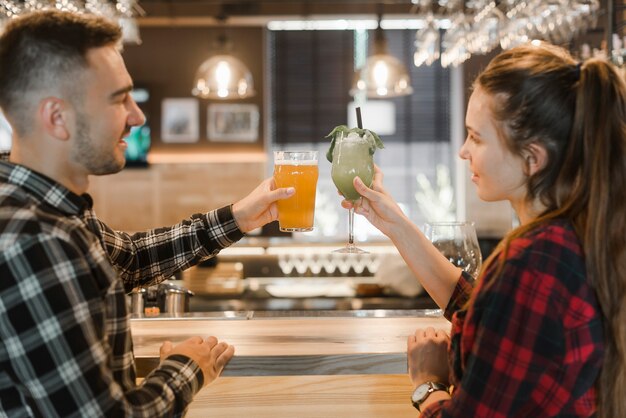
[259,207]
[208,353]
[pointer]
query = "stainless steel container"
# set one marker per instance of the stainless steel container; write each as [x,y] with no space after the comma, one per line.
[173,299]
[137,300]
[163,298]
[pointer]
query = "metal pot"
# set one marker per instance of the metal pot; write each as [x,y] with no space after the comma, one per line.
[173,299]
[163,298]
[138,300]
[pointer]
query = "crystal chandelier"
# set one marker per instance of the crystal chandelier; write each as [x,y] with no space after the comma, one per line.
[121,11]
[456,29]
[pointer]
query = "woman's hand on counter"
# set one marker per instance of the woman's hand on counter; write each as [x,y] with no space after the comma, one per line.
[210,354]
[259,207]
[427,352]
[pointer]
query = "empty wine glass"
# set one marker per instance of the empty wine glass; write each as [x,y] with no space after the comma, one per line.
[457,241]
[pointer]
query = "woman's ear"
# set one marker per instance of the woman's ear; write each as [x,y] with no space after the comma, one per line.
[536,158]
[53,114]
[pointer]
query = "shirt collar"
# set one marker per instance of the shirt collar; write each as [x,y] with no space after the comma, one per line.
[45,189]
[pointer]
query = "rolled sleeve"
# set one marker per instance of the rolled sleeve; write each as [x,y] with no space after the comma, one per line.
[460,295]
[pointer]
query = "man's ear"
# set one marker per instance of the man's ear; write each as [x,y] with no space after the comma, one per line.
[53,114]
[536,158]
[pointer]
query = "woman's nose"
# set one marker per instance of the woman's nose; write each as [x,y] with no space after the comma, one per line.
[463,152]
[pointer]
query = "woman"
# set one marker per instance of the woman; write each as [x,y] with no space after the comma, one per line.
[543,331]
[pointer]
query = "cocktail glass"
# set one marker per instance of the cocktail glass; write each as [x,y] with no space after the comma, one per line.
[352,156]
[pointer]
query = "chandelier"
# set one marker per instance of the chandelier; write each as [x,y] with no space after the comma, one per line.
[121,11]
[457,29]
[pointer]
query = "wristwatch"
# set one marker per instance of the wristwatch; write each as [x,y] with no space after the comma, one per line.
[423,391]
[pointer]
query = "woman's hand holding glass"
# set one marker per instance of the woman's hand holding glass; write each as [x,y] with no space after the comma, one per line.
[376,204]
[435,272]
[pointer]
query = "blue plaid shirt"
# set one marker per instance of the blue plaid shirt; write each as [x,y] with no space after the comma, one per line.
[65,342]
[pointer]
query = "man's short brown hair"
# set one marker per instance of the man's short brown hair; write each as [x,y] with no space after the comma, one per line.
[46,52]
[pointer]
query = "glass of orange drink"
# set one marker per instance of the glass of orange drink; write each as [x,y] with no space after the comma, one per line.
[297,169]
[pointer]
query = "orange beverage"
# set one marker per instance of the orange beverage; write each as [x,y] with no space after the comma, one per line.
[298,170]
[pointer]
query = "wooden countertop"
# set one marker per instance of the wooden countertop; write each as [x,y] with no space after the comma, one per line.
[291,346]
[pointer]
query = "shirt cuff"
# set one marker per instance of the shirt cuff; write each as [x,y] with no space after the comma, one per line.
[180,373]
[226,216]
[220,229]
[460,295]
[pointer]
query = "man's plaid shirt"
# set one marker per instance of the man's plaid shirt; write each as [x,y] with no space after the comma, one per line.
[65,342]
[531,343]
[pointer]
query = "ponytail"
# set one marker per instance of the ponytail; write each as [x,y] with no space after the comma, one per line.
[596,201]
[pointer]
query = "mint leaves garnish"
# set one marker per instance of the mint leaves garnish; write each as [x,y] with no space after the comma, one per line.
[371,136]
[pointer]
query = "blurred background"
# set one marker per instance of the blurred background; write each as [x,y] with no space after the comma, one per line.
[225,83]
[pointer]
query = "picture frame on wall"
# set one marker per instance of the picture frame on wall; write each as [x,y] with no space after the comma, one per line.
[180,120]
[233,122]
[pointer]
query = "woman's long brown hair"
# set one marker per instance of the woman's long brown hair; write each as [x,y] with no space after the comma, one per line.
[578,114]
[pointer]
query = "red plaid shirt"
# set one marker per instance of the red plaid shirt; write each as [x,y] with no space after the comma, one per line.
[531,344]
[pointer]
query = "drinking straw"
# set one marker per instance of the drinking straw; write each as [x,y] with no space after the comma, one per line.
[359,121]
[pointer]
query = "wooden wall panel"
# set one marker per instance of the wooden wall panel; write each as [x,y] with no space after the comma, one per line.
[166,62]
[164,194]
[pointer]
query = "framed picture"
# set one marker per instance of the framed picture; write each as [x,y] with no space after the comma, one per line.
[179,120]
[233,122]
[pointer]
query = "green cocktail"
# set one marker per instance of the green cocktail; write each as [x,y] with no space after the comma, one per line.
[351,153]
[351,158]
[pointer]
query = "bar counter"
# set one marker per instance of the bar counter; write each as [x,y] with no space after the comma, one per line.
[290,364]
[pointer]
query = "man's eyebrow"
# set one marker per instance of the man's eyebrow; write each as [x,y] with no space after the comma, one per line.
[121,91]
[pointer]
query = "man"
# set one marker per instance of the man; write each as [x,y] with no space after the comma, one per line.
[65,343]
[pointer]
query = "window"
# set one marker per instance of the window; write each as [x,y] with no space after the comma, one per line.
[310,76]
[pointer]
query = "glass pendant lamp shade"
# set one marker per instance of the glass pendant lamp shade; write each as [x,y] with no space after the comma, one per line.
[383,75]
[223,77]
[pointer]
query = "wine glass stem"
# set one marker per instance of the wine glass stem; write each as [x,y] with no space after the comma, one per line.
[351,226]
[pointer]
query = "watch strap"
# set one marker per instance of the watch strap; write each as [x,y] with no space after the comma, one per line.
[430,388]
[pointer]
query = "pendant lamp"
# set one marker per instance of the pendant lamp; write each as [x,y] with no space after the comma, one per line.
[223,76]
[383,75]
